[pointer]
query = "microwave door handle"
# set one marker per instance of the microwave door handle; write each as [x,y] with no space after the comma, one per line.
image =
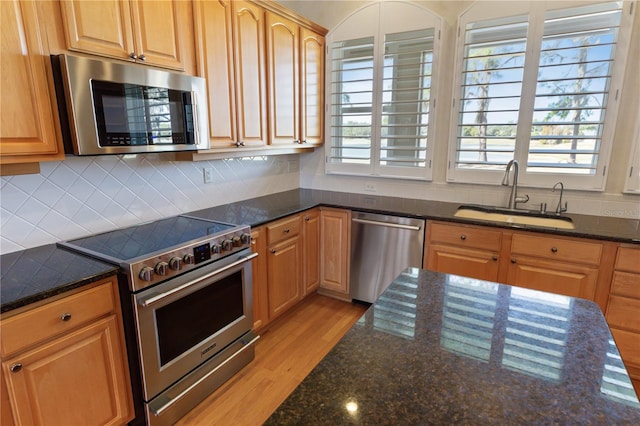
[194,113]
[155,299]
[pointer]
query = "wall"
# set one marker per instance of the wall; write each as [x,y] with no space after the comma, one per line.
[611,202]
[87,195]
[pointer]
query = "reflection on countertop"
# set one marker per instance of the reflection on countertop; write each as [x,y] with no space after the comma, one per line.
[444,349]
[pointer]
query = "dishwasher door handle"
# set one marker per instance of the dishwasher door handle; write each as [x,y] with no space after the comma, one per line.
[387,224]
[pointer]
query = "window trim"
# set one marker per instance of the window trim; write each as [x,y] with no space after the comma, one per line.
[536,10]
[632,177]
[397,18]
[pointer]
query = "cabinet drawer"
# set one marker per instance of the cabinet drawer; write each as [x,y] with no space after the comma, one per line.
[628,259]
[463,236]
[628,344]
[282,229]
[626,284]
[38,324]
[623,312]
[557,249]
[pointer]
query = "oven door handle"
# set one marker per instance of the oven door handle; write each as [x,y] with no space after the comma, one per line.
[151,300]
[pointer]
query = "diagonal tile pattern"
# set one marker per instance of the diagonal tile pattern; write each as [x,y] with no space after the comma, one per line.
[86,195]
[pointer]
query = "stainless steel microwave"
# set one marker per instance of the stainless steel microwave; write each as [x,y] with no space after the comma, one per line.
[117,108]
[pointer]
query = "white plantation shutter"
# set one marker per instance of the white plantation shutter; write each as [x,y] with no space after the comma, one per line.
[540,87]
[351,101]
[492,75]
[572,90]
[381,88]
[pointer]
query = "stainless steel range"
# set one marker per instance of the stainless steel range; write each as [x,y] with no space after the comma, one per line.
[186,291]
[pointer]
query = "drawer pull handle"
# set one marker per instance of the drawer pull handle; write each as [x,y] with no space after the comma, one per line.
[554,249]
[65,317]
[15,367]
[463,237]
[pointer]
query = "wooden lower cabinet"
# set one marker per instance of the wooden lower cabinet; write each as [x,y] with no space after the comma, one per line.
[470,251]
[259,278]
[554,277]
[284,274]
[75,370]
[623,309]
[335,230]
[310,251]
[569,266]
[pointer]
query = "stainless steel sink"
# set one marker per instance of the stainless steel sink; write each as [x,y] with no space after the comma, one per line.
[519,217]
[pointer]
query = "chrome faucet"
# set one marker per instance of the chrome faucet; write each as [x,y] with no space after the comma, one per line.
[514,200]
[560,208]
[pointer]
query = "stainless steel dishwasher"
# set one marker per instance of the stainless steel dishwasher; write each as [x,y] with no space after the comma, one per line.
[381,247]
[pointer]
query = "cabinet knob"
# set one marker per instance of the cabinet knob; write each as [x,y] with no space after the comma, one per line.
[297,141]
[133,56]
[65,317]
[494,258]
[463,237]
[142,58]
[306,218]
[554,249]
[239,144]
[15,367]
[287,230]
[273,251]
[513,261]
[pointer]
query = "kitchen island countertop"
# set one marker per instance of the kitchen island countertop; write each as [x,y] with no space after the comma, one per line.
[444,349]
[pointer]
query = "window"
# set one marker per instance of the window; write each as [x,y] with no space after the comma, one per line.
[538,86]
[380,80]
[632,182]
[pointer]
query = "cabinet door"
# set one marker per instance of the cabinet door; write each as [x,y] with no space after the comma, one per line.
[156,33]
[259,272]
[311,251]
[99,27]
[479,264]
[28,131]
[250,80]
[284,276]
[283,66]
[78,379]
[214,40]
[554,277]
[311,87]
[335,227]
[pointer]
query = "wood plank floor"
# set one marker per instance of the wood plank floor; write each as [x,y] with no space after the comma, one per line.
[286,352]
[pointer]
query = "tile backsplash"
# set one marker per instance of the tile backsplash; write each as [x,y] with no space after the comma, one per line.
[86,195]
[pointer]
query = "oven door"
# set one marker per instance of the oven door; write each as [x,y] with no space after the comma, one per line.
[184,321]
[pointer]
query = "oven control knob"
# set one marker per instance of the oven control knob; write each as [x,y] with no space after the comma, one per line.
[216,248]
[146,273]
[226,245]
[188,259]
[236,241]
[175,263]
[245,238]
[161,268]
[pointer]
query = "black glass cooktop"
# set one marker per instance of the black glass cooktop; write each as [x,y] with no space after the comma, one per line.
[128,243]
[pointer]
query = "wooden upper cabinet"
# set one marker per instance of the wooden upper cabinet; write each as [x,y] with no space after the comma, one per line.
[250,77]
[295,62]
[284,86]
[214,47]
[145,31]
[28,117]
[311,87]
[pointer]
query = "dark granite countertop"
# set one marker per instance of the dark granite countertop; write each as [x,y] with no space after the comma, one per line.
[35,274]
[260,210]
[443,349]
